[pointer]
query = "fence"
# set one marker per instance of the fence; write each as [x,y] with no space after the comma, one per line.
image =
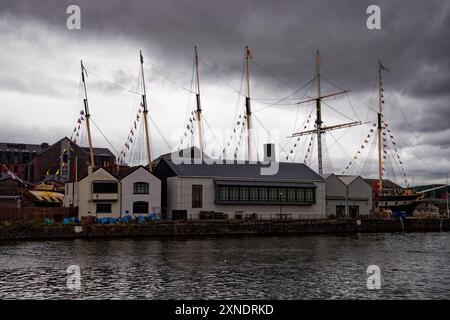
[37,213]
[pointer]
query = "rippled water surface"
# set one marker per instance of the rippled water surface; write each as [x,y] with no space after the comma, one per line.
[414,265]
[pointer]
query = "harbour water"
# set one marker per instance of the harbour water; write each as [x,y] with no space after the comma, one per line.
[413,266]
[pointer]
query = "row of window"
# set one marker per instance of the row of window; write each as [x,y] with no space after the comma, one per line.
[264,194]
[112,187]
[16,157]
[139,207]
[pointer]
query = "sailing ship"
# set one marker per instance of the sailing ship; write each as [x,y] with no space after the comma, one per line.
[386,195]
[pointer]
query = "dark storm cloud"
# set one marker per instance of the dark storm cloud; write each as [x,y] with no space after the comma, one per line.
[284,35]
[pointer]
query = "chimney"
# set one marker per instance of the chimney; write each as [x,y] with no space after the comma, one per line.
[269,152]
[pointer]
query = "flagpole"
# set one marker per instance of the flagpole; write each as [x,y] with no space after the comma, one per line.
[380,129]
[88,116]
[446,193]
[144,102]
[248,110]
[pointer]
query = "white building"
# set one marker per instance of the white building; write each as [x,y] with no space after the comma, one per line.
[96,193]
[239,190]
[104,194]
[140,192]
[347,196]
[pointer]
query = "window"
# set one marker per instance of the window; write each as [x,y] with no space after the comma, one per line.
[309,195]
[282,193]
[340,211]
[224,193]
[253,193]
[234,193]
[140,188]
[244,194]
[105,187]
[300,195]
[354,211]
[103,207]
[25,157]
[140,207]
[273,194]
[263,194]
[197,195]
[291,195]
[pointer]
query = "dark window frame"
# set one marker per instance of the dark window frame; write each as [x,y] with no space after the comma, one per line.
[197,195]
[106,205]
[141,187]
[101,187]
[261,194]
[140,205]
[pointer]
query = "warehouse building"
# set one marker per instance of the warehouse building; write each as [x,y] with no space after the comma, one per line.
[347,197]
[237,190]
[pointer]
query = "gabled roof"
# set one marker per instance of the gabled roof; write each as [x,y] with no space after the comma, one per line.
[240,169]
[126,171]
[347,179]
[84,173]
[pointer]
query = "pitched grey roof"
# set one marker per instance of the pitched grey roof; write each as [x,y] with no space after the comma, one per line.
[252,170]
[13,146]
[347,179]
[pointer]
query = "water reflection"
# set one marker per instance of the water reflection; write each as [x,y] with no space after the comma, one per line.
[311,267]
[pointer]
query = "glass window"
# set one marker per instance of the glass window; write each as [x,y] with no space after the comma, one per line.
[309,195]
[104,187]
[282,193]
[263,194]
[253,193]
[25,157]
[103,207]
[273,194]
[224,193]
[291,195]
[300,195]
[140,188]
[140,207]
[234,193]
[244,194]
[197,195]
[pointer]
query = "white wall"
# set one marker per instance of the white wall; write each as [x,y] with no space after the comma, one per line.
[128,197]
[359,194]
[84,199]
[179,197]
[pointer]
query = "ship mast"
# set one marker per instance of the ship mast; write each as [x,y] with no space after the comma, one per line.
[144,103]
[319,130]
[248,111]
[319,115]
[199,109]
[88,116]
[380,128]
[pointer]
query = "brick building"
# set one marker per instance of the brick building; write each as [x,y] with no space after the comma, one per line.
[16,155]
[62,159]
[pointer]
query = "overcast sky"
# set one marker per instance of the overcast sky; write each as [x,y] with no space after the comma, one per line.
[40,71]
